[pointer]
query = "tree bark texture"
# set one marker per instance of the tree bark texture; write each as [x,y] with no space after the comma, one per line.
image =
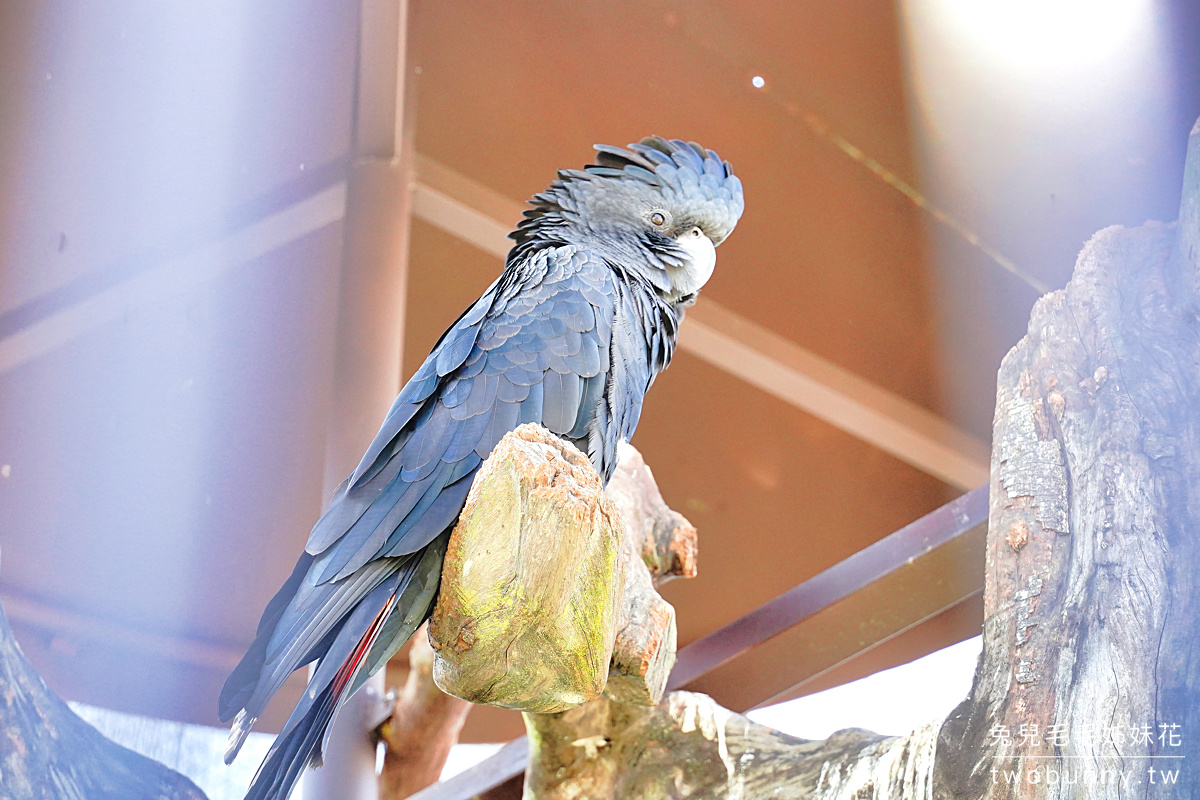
[1089,683]
[659,544]
[662,537]
[533,579]
[656,544]
[1092,614]
[688,746]
[424,725]
[49,753]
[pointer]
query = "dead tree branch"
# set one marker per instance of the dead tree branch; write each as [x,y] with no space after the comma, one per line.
[49,753]
[561,516]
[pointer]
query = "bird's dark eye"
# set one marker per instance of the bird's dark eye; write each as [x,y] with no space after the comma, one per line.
[658,218]
[695,233]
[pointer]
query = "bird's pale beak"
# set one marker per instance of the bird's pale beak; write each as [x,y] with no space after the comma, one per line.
[702,255]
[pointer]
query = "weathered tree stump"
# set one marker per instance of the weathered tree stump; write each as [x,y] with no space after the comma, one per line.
[49,753]
[655,542]
[1092,607]
[532,584]
[1089,684]
[659,544]
[547,597]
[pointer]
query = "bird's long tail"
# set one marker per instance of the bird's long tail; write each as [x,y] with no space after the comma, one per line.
[379,626]
[301,742]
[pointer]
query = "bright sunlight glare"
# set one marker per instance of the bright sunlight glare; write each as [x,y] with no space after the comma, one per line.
[1036,35]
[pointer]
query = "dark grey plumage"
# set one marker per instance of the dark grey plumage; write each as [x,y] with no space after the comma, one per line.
[570,336]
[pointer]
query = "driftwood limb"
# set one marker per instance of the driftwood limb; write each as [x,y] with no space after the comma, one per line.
[657,543]
[663,537]
[533,579]
[547,596]
[688,746]
[49,753]
[644,648]
[423,727]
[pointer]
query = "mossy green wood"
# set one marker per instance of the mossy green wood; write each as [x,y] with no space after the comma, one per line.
[533,577]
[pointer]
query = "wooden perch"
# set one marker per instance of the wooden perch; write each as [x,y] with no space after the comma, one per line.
[644,648]
[655,542]
[547,597]
[688,746]
[533,579]
[659,544]
[423,727]
[661,536]
[1088,681]
[49,753]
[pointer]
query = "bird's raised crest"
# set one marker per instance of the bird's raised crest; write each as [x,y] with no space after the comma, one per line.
[683,170]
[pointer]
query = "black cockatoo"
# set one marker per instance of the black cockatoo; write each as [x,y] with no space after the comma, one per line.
[570,336]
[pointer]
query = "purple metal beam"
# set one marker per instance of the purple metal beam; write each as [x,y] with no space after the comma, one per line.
[494,770]
[826,588]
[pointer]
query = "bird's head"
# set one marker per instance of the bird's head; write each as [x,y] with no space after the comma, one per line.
[659,208]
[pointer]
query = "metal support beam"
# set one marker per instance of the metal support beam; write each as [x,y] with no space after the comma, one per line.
[934,563]
[371,306]
[779,367]
[74,628]
[175,276]
[483,218]
[371,300]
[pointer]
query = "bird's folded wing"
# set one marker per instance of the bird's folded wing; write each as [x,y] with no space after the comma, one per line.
[535,348]
[539,353]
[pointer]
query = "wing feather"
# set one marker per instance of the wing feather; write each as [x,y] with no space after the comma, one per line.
[560,404]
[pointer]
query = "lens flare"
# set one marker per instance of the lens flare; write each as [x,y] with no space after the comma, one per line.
[1036,35]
